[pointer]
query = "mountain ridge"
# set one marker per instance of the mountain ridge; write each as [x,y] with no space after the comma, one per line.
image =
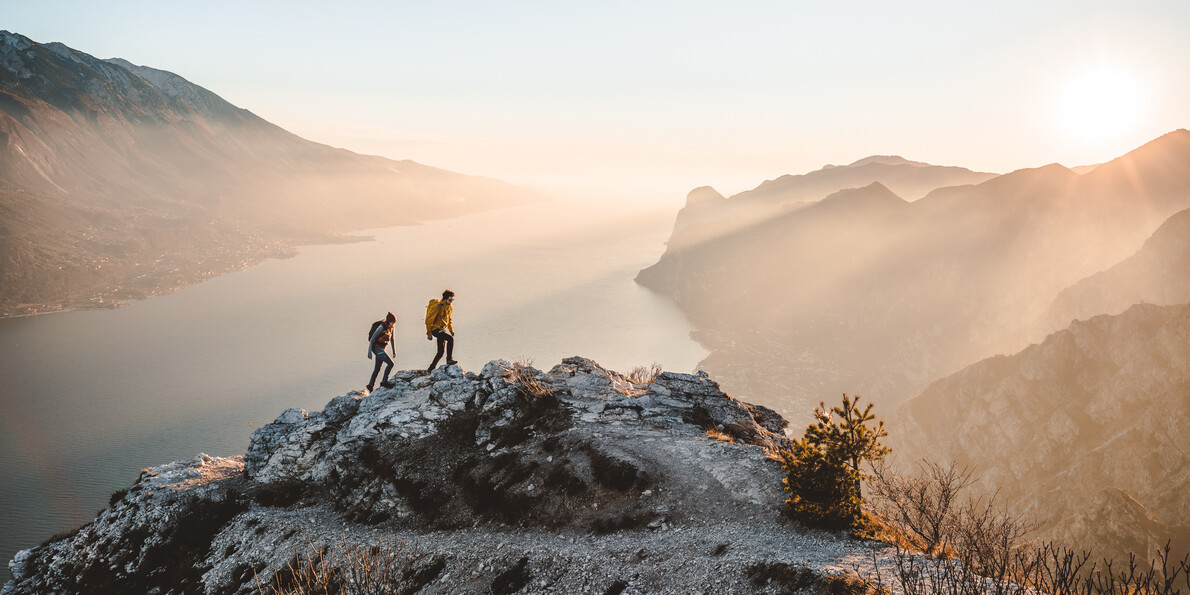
[882,303]
[1143,277]
[115,186]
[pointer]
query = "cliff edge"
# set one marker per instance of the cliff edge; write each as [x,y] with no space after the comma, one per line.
[509,480]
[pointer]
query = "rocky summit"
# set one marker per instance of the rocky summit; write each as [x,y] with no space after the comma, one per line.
[578,480]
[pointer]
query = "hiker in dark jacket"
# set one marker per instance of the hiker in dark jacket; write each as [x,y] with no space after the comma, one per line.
[439,326]
[381,337]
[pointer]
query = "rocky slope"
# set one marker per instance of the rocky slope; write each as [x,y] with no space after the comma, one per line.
[1088,431]
[863,292]
[118,181]
[509,480]
[1154,275]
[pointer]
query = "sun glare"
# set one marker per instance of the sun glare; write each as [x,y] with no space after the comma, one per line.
[1101,104]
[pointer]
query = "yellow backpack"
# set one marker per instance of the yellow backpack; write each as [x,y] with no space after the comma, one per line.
[432,311]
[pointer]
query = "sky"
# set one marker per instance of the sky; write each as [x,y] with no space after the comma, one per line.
[642,101]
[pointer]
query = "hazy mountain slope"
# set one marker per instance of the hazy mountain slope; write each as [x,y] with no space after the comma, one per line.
[909,179]
[1156,274]
[1103,405]
[119,180]
[881,300]
[706,218]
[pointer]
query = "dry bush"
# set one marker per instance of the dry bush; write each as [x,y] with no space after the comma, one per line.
[1061,571]
[630,385]
[988,540]
[1046,569]
[923,507]
[973,547]
[644,375]
[716,434]
[523,377]
[355,569]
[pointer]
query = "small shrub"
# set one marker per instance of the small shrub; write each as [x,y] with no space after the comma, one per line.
[644,375]
[356,569]
[523,377]
[716,434]
[821,487]
[823,467]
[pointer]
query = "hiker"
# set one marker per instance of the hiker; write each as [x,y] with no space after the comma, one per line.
[438,326]
[382,335]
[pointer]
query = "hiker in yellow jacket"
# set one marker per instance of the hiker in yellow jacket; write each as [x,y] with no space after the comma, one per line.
[438,326]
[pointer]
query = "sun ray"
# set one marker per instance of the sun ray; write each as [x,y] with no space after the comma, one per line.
[1102,104]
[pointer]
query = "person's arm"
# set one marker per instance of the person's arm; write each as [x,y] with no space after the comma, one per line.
[372,339]
[449,322]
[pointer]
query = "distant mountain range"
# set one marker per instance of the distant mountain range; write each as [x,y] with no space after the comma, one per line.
[860,291]
[708,214]
[119,181]
[1086,430]
[908,179]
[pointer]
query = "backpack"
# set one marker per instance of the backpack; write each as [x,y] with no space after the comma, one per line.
[372,330]
[431,312]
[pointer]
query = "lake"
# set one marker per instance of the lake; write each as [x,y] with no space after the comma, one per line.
[88,398]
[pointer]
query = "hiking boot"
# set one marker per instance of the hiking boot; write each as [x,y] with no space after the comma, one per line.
[369,387]
[388,384]
[451,362]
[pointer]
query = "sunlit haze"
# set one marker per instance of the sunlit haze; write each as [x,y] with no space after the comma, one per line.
[643,101]
[1102,104]
[674,233]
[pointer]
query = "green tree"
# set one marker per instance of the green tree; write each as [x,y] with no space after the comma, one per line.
[823,468]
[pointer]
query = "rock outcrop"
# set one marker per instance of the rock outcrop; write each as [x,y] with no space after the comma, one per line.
[509,480]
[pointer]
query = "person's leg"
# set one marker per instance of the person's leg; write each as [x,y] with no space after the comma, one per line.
[450,347]
[438,335]
[387,368]
[376,369]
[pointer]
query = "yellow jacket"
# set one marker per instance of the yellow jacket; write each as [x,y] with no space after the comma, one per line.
[438,317]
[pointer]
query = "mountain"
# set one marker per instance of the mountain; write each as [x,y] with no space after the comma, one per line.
[705,217]
[509,480]
[866,293]
[1086,430]
[119,181]
[1155,275]
[910,179]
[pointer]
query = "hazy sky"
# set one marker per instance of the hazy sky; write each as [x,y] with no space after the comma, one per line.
[645,100]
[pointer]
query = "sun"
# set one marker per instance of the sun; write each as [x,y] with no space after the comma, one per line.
[1102,103]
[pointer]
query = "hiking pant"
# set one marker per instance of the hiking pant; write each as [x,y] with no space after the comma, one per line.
[444,340]
[381,358]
